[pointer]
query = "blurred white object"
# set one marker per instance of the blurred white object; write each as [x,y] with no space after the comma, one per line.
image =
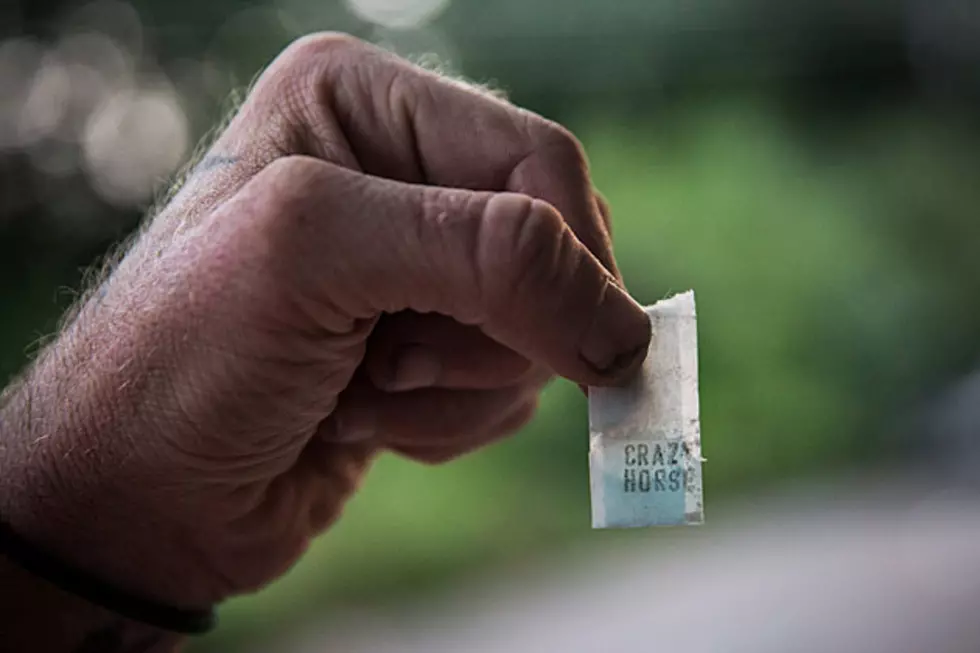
[867,571]
[397,14]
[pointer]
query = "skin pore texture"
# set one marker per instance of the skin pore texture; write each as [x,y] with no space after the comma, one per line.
[370,258]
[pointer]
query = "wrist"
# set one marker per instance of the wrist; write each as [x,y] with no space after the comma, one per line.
[71,490]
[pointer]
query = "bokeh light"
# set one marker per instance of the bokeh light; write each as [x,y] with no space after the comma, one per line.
[398,14]
[20,61]
[97,67]
[89,103]
[45,104]
[133,141]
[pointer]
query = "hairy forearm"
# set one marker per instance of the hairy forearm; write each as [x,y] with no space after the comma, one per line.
[60,487]
[35,615]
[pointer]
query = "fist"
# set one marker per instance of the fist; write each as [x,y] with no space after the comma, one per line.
[370,257]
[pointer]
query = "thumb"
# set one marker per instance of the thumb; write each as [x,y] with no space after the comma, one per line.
[502,261]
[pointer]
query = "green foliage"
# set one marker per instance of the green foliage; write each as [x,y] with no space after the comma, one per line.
[793,282]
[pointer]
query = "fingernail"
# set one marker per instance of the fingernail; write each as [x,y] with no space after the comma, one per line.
[414,367]
[619,336]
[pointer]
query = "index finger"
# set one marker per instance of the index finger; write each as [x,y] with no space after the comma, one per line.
[405,123]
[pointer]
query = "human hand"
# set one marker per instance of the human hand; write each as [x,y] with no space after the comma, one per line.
[370,257]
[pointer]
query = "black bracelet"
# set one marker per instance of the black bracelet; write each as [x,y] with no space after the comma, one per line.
[93,590]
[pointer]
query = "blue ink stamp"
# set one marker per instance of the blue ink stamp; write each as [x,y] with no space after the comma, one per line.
[645,438]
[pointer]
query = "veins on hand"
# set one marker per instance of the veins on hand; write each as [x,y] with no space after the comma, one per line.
[212,161]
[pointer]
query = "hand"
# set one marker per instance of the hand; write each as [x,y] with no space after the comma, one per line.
[370,257]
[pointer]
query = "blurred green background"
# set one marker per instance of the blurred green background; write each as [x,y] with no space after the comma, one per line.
[809,168]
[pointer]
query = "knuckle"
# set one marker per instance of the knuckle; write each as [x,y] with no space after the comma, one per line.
[537,236]
[297,71]
[269,222]
[295,170]
[525,239]
[264,238]
[258,249]
[283,186]
[319,45]
[560,142]
[538,244]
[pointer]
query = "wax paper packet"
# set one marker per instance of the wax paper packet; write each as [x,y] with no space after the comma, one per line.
[645,437]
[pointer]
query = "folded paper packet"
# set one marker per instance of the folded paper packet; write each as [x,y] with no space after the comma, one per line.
[645,438]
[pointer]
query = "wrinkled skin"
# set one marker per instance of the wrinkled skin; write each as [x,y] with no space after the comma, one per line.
[370,257]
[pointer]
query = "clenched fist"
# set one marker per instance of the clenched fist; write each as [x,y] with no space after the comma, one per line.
[370,257]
